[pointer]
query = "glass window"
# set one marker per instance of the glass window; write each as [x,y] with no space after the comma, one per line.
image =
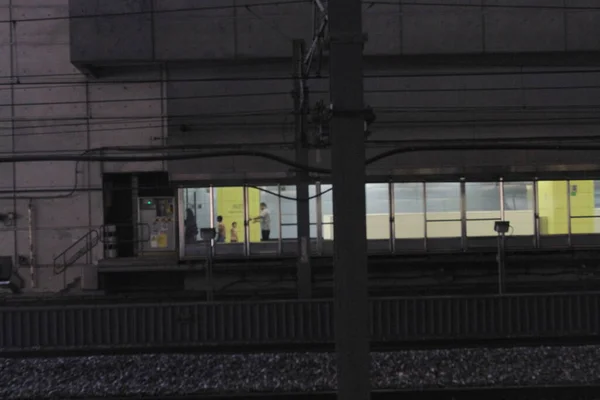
[196,215]
[289,216]
[229,214]
[261,200]
[327,211]
[409,218]
[443,210]
[482,208]
[518,208]
[378,210]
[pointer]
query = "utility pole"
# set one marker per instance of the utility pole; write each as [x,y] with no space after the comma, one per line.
[351,312]
[304,273]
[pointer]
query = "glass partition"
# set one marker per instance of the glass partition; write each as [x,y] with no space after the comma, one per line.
[519,208]
[313,205]
[326,212]
[409,210]
[289,216]
[443,215]
[264,219]
[196,215]
[482,208]
[421,210]
[229,220]
[377,199]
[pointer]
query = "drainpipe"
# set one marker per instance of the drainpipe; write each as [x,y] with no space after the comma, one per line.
[31,251]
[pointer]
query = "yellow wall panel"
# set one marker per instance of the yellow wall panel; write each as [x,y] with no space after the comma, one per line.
[230,205]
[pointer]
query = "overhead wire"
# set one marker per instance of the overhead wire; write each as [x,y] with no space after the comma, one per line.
[217,96]
[308,2]
[506,71]
[92,156]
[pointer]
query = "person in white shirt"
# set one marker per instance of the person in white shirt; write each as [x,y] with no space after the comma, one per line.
[265,222]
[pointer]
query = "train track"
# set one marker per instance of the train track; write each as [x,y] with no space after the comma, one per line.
[574,341]
[588,392]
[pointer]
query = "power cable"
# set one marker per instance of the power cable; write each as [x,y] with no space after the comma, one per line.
[261,78]
[168,11]
[289,197]
[482,6]
[91,156]
[292,2]
[523,113]
[284,93]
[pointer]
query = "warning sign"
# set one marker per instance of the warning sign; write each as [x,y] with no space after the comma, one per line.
[162,240]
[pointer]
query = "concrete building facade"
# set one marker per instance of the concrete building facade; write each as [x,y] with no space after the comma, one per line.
[84,76]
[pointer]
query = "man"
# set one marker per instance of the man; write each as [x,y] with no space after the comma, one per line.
[265,222]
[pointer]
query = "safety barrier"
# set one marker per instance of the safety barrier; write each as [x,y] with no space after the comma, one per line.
[309,323]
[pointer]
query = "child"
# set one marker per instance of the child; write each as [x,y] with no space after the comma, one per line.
[233,234]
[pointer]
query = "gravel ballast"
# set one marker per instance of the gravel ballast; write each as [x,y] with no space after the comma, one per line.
[292,372]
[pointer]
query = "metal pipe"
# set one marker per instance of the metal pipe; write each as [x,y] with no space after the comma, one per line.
[319,218]
[424,188]
[31,250]
[569,230]
[536,215]
[211,211]
[463,215]
[182,203]
[502,205]
[391,199]
[280,228]
[246,222]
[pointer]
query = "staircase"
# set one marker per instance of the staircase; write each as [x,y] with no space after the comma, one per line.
[87,243]
[77,250]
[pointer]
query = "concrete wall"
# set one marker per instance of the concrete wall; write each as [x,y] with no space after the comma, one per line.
[46,106]
[233,104]
[163,30]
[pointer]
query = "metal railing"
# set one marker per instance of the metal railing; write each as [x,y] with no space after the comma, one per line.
[88,242]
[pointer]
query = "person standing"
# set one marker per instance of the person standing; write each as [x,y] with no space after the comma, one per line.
[221,230]
[233,235]
[265,222]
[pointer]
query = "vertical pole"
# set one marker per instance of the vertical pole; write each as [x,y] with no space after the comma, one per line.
[501,263]
[246,222]
[463,216]
[211,211]
[303,267]
[392,201]
[319,217]
[280,225]
[135,221]
[351,306]
[536,215]
[425,219]
[502,200]
[569,230]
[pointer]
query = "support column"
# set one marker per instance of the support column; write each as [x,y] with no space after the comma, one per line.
[351,312]
[304,273]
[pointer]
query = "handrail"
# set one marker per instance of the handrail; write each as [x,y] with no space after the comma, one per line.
[91,238]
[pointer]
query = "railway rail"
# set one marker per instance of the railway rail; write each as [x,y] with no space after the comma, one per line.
[588,392]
